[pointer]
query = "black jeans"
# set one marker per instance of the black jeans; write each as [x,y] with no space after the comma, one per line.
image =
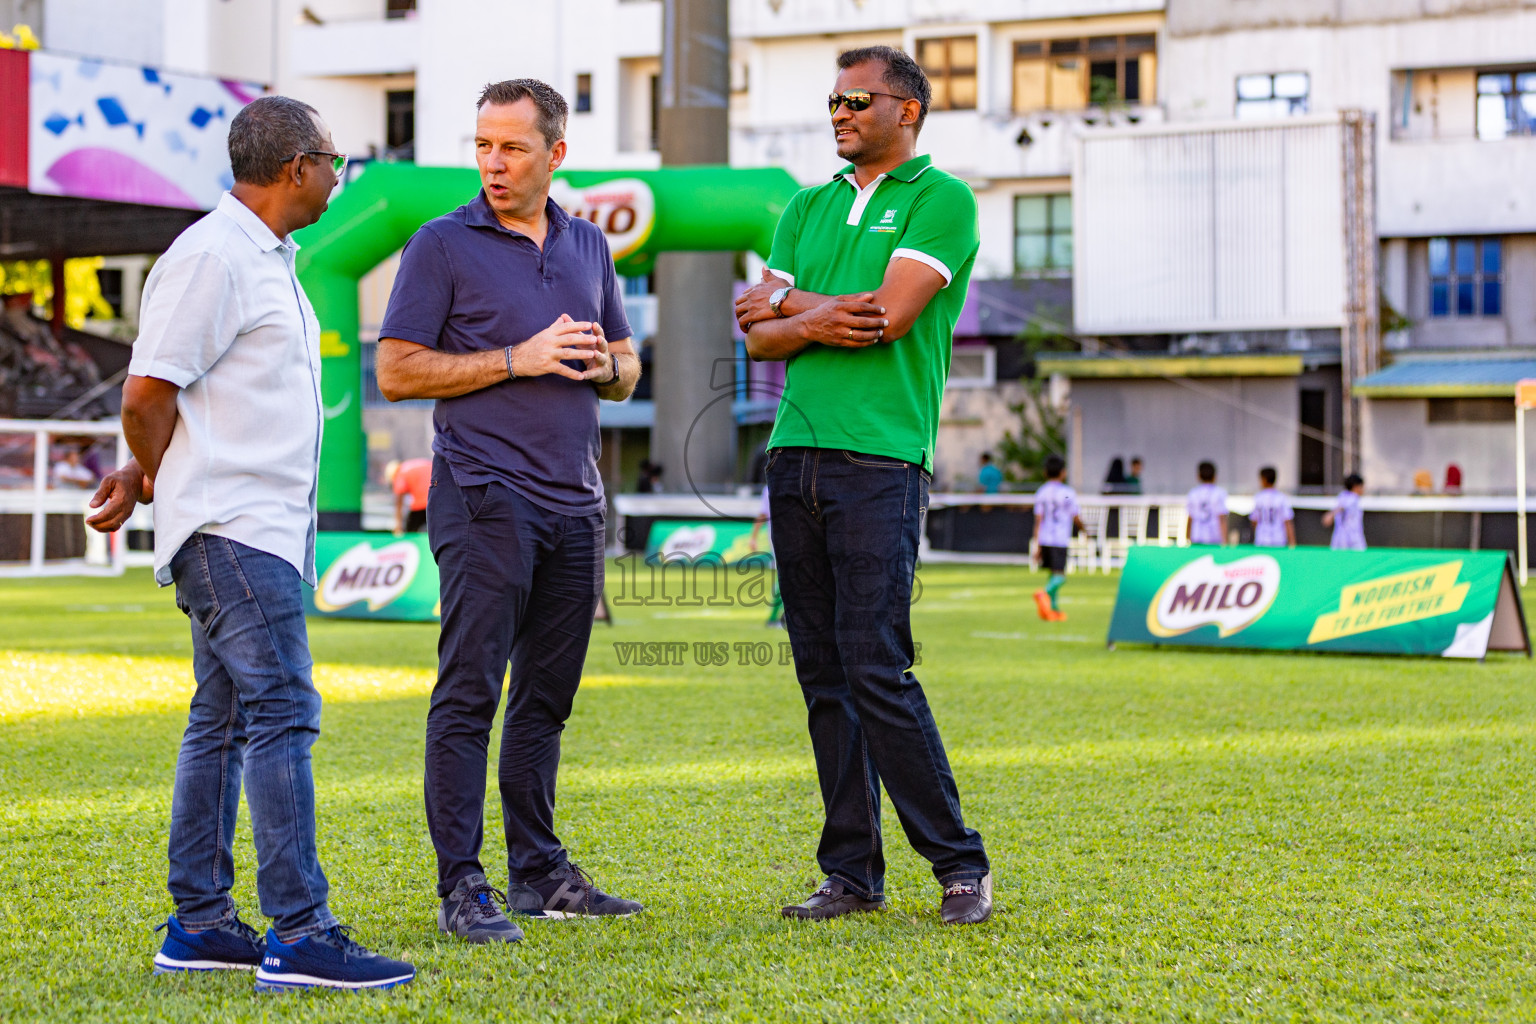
[845,534]
[519,583]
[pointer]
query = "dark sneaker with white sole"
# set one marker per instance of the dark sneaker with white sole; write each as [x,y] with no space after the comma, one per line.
[567,892]
[471,913]
[967,900]
[328,959]
[231,945]
[832,899]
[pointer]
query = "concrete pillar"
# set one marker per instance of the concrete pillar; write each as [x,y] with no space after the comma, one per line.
[694,436]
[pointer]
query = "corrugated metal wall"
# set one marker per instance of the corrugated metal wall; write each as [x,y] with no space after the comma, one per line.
[1209,228]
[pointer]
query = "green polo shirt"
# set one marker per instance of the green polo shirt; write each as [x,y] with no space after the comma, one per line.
[837,240]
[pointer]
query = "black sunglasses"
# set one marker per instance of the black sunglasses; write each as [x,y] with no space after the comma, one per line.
[857,99]
[338,160]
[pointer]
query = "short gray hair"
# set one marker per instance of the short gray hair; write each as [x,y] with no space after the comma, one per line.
[552,108]
[267,133]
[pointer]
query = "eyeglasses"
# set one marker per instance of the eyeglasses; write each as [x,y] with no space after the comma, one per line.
[338,160]
[856,99]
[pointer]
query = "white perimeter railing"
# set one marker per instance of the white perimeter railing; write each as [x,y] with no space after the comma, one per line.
[105,554]
[1100,552]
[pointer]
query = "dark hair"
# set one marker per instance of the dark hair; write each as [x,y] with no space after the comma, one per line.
[902,74]
[1352,481]
[1135,459]
[1055,465]
[268,132]
[552,107]
[1268,475]
[1116,474]
[986,456]
[1207,472]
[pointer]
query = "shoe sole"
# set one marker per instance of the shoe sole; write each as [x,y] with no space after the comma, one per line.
[294,982]
[799,913]
[571,915]
[971,918]
[166,965]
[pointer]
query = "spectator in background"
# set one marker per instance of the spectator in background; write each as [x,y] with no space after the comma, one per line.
[1423,482]
[1452,479]
[650,478]
[1133,478]
[411,479]
[1114,480]
[71,471]
[1207,505]
[1347,517]
[989,476]
[1273,520]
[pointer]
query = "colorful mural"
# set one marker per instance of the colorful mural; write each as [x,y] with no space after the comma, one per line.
[129,134]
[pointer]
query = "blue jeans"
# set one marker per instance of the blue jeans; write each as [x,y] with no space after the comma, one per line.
[520,584]
[845,534]
[254,716]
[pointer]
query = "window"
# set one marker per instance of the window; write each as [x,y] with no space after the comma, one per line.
[1266,97]
[951,68]
[1471,410]
[655,111]
[583,93]
[400,124]
[975,366]
[110,279]
[1042,235]
[1506,104]
[1070,74]
[1466,277]
[399,8]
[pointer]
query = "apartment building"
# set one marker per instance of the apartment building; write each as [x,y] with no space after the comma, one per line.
[1451,89]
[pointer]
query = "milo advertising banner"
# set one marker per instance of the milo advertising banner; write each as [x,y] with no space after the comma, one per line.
[374,576]
[730,539]
[1457,604]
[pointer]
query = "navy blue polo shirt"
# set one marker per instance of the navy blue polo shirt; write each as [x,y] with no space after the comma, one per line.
[467,284]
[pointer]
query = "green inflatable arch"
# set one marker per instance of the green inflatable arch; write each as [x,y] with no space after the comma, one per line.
[690,209]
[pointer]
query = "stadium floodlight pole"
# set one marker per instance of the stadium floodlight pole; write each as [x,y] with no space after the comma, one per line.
[694,322]
[1525,398]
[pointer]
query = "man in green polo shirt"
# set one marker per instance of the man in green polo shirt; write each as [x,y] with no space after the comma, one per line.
[863,287]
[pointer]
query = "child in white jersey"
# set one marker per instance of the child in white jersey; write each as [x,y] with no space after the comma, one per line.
[1273,525]
[1347,517]
[1056,513]
[1207,505]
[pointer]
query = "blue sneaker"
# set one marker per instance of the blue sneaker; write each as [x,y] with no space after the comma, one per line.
[328,959]
[230,946]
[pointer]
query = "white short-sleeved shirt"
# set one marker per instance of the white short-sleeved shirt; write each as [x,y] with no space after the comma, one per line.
[224,319]
[1207,504]
[1055,508]
[1348,523]
[1271,511]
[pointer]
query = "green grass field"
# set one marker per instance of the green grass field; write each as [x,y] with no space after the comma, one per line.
[1175,835]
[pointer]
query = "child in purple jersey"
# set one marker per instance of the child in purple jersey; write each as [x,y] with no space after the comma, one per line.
[1347,517]
[1056,513]
[1273,520]
[1207,505]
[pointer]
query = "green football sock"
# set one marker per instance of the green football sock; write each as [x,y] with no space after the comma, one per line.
[1057,579]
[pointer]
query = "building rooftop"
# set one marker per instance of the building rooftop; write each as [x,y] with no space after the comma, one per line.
[1459,376]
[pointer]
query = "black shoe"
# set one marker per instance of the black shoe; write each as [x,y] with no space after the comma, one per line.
[833,899]
[967,900]
[229,945]
[567,892]
[471,913]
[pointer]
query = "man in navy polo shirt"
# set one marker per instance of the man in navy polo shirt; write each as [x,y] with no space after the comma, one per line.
[508,312]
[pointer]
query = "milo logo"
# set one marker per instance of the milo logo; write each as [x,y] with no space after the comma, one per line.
[365,574]
[688,542]
[1231,596]
[624,208]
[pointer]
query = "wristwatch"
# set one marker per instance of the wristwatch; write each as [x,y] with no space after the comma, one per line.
[776,300]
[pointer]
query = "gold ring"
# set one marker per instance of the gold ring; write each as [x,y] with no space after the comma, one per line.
[850,332]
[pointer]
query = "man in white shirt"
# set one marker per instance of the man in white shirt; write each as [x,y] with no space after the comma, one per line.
[1347,517]
[222,411]
[1056,513]
[1273,520]
[1207,506]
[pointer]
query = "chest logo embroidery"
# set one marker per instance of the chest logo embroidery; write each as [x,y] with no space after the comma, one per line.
[887,223]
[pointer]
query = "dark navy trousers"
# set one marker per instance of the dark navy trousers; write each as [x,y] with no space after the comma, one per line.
[845,533]
[519,585]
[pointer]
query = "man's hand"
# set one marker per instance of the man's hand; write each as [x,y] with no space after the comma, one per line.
[752,304]
[563,339]
[848,321]
[600,362]
[119,493]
